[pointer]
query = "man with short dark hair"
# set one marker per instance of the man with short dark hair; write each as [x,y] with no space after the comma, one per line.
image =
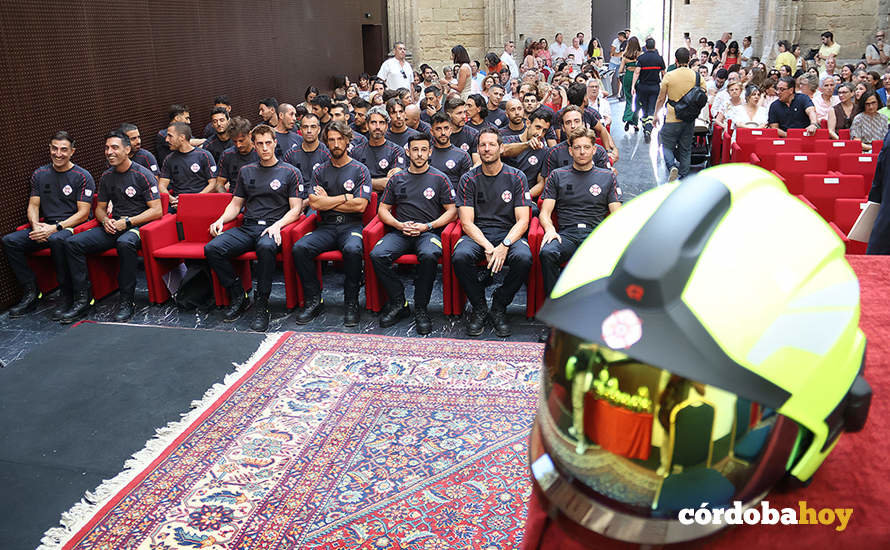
[311,152]
[321,106]
[339,112]
[360,116]
[271,193]
[416,204]
[493,202]
[133,190]
[445,157]
[647,84]
[269,111]
[187,169]
[396,72]
[577,95]
[559,155]
[398,132]
[339,191]
[61,195]
[137,153]
[285,136]
[463,137]
[235,157]
[515,118]
[792,110]
[433,96]
[829,48]
[220,140]
[220,101]
[496,118]
[382,157]
[530,148]
[176,113]
[676,136]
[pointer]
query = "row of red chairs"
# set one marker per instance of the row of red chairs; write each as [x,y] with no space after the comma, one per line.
[844,213]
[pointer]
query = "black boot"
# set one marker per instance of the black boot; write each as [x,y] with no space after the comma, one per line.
[261,315]
[476,320]
[237,303]
[126,307]
[82,303]
[28,303]
[64,305]
[351,317]
[499,320]
[422,320]
[313,305]
[395,310]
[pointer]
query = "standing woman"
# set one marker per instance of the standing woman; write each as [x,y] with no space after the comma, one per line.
[628,64]
[840,117]
[528,59]
[464,75]
[594,49]
[731,55]
[544,52]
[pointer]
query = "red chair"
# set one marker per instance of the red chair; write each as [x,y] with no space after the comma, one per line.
[823,189]
[809,142]
[846,212]
[836,147]
[844,134]
[103,268]
[806,201]
[745,138]
[793,167]
[41,263]
[726,146]
[876,146]
[310,223]
[716,144]
[864,165]
[375,296]
[765,151]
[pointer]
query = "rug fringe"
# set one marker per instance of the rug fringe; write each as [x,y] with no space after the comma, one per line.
[81,512]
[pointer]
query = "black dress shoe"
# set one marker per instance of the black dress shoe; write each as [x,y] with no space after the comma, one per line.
[28,303]
[237,304]
[261,315]
[499,320]
[313,305]
[476,321]
[126,307]
[79,307]
[351,317]
[422,320]
[394,312]
[64,305]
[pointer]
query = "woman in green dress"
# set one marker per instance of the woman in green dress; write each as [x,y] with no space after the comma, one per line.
[628,64]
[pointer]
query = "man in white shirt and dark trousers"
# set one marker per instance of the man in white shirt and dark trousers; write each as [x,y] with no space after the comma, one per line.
[396,71]
[508,61]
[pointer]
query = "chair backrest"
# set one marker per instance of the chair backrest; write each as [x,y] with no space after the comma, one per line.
[851,163]
[745,136]
[836,147]
[767,149]
[196,211]
[821,133]
[876,146]
[692,425]
[846,212]
[371,210]
[165,202]
[844,134]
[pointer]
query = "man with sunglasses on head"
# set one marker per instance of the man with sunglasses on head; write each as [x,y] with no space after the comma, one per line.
[396,72]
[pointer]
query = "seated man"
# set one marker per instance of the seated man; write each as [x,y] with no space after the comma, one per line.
[285,136]
[526,150]
[236,156]
[582,196]
[271,193]
[416,204]
[792,110]
[445,157]
[138,154]
[311,152]
[559,155]
[176,113]
[220,140]
[382,157]
[187,169]
[398,132]
[133,190]
[463,137]
[493,202]
[61,194]
[340,191]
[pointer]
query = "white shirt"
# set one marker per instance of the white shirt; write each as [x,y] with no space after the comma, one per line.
[558,50]
[617,59]
[510,63]
[739,116]
[476,83]
[578,53]
[391,73]
[748,53]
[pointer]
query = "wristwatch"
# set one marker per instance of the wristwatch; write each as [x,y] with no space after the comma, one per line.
[59,227]
[429,226]
[129,223]
[507,242]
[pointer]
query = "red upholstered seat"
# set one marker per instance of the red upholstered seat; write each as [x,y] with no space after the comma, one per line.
[834,148]
[822,189]
[765,150]
[864,165]
[793,166]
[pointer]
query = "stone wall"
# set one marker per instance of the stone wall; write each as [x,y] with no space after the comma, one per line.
[442,24]
[536,20]
[712,18]
[853,23]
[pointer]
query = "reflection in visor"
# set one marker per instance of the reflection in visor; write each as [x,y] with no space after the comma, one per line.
[643,440]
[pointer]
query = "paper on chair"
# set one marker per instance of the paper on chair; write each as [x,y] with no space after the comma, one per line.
[861,230]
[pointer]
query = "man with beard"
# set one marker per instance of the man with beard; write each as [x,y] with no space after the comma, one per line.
[462,136]
[515,118]
[445,157]
[220,101]
[577,95]
[285,136]
[321,106]
[559,156]
[398,131]
[382,157]
[582,195]
[271,193]
[339,112]
[236,156]
[530,104]
[137,153]
[176,113]
[360,116]
[186,169]
[433,96]
[526,151]
[493,202]
[220,140]
[310,153]
[416,204]
[340,191]
[61,195]
[269,111]
[134,191]
[412,119]
[496,118]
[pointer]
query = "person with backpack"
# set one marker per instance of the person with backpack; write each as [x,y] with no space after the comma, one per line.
[685,94]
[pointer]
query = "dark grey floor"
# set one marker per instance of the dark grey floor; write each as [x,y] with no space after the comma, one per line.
[18,336]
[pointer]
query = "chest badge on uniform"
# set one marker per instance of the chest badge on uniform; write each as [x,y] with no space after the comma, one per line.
[275,184]
[349,185]
[595,190]
[153,167]
[67,190]
[383,163]
[449,164]
[533,160]
[429,193]
[195,167]
[130,191]
[622,329]
[506,196]
[465,146]
[498,121]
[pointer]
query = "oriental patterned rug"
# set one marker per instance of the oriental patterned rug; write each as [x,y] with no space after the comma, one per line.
[334,441]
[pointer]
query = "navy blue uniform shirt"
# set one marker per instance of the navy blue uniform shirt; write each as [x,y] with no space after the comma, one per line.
[493,197]
[129,191]
[267,190]
[418,197]
[451,161]
[60,192]
[188,172]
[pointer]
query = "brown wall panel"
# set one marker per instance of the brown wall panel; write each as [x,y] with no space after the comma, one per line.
[86,67]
